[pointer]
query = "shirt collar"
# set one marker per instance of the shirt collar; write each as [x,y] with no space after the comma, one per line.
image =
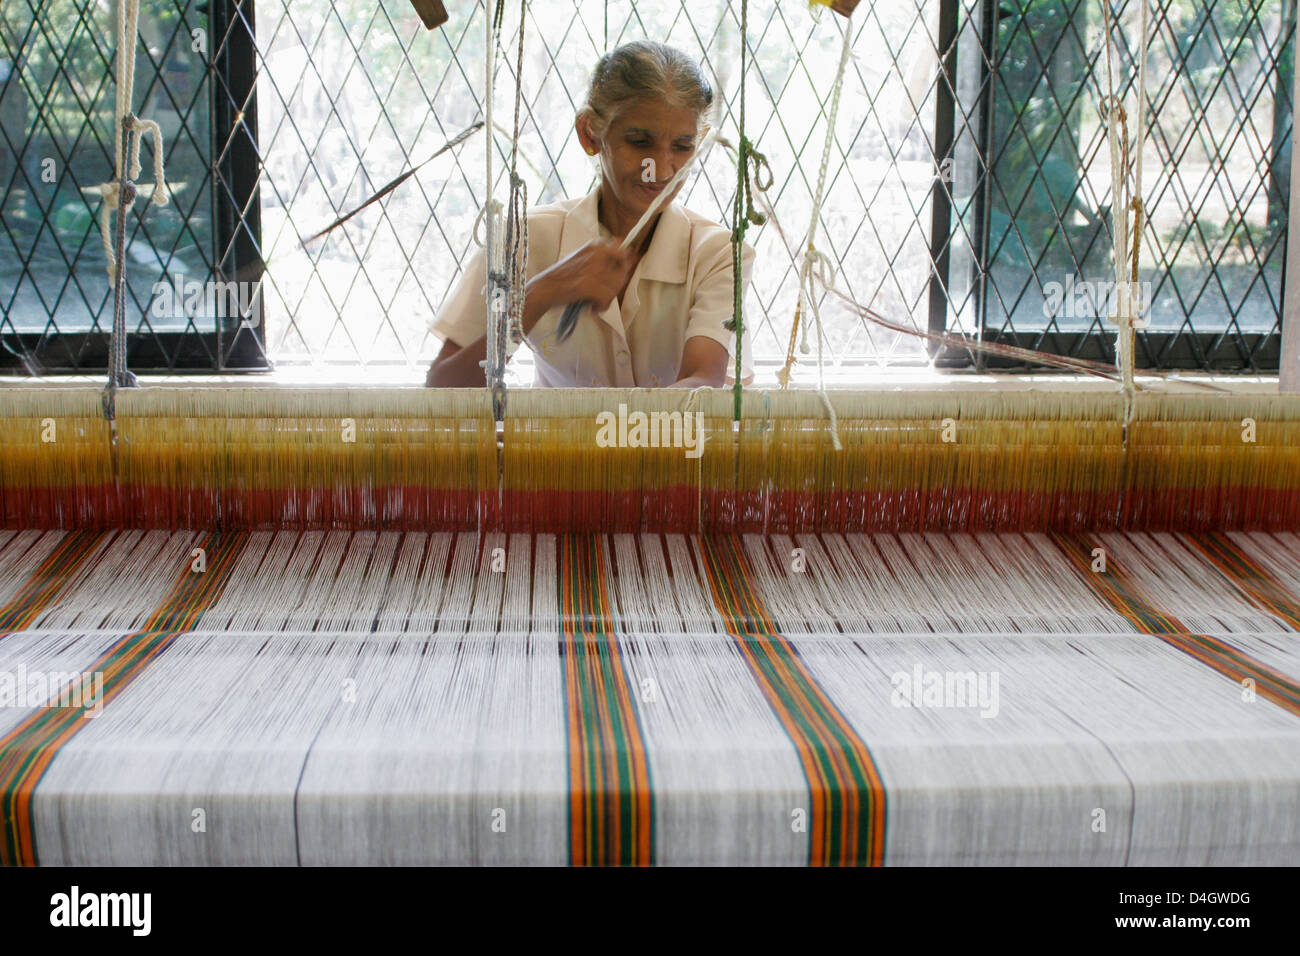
[665,260]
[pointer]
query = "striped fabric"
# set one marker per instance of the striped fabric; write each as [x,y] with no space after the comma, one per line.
[53,574]
[360,697]
[27,750]
[611,820]
[1119,589]
[847,805]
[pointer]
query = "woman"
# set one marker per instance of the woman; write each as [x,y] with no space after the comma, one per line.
[658,307]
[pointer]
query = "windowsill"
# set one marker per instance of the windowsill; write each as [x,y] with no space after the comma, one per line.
[860,378]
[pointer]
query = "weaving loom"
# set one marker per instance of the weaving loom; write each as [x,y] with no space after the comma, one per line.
[362,627]
[317,626]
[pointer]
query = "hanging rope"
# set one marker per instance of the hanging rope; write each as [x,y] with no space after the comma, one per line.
[743,212]
[494,361]
[1126,194]
[507,256]
[815,261]
[120,195]
[517,221]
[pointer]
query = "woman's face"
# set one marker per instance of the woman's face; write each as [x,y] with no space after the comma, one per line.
[643,148]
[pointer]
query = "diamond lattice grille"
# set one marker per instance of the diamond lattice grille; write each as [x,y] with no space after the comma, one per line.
[968,172]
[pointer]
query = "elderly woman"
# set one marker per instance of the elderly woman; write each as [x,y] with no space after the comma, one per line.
[658,308]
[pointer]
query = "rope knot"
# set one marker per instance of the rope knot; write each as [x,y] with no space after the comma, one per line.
[819,262]
[492,209]
[753,163]
[1115,103]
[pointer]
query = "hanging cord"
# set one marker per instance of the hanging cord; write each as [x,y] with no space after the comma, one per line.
[1137,206]
[507,256]
[950,339]
[494,362]
[517,223]
[129,131]
[1126,196]
[814,260]
[813,257]
[743,212]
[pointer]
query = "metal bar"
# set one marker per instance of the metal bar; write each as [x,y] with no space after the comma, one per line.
[984,181]
[237,209]
[118,375]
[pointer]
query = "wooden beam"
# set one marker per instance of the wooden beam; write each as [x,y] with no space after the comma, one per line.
[432,12]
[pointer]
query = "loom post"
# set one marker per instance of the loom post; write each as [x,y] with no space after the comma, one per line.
[1289,367]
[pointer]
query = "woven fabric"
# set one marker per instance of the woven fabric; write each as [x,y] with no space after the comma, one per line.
[383,697]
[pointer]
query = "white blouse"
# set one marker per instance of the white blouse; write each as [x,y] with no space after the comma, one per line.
[682,287]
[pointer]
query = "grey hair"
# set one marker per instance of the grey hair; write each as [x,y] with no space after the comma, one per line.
[645,70]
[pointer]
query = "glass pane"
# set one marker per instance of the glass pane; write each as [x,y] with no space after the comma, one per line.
[1216,165]
[56,132]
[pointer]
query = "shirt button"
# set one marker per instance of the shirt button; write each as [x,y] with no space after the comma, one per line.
[623,357]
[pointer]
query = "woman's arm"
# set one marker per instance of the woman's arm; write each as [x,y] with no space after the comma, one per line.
[704,363]
[457,367]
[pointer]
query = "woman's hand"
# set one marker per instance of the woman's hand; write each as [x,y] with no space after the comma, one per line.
[595,273]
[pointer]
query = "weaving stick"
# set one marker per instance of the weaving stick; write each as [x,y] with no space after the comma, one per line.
[569,320]
[393,184]
[1086,366]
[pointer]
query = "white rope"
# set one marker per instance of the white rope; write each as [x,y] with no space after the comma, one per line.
[128,17]
[1126,194]
[496,206]
[814,259]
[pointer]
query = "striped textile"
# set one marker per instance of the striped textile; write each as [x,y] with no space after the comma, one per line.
[847,805]
[611,820]
[27,750]
[1118,587]
[402,698]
